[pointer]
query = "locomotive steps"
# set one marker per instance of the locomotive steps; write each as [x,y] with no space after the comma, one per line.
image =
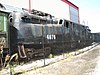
[40,63]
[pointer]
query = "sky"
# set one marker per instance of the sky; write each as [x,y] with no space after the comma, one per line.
[90,13]
[89,10]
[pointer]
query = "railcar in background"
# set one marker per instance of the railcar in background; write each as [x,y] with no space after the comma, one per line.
[4,32]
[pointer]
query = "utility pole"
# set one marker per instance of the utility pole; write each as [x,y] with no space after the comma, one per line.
[29,6]
[43,41]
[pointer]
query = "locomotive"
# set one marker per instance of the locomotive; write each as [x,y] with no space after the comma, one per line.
[35,35]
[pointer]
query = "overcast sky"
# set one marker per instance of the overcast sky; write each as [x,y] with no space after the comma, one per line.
[89,11]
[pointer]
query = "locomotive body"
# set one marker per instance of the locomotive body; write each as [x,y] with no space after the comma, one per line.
[40,35]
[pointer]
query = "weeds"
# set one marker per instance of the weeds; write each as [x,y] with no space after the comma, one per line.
[51,56]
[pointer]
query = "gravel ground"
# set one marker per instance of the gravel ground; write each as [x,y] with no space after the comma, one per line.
[84,64]
[36,67]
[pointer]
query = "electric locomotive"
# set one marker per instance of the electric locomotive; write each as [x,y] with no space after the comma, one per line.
[39,33]
[35,35]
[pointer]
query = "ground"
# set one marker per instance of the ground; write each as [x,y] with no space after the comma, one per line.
[83,64]
[85,61]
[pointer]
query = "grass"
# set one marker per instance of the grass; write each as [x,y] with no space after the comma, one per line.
[51,56]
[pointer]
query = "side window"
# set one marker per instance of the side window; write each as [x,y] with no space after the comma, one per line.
[61,21]
[66,24]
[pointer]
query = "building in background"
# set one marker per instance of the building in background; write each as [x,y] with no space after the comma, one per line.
[58,8]
[73,11]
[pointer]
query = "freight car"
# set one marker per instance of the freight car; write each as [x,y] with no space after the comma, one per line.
[32,35]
